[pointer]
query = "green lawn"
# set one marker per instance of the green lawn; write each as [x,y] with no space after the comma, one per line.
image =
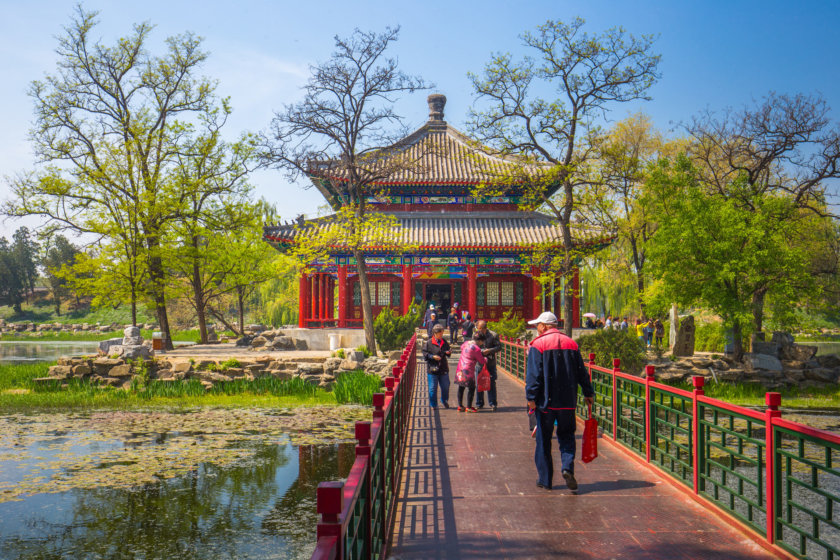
[748,394]
[44,312]
[177,336]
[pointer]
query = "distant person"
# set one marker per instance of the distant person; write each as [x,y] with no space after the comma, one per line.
[659,331]
[624,324]
[428,315]
[608,322]
[471,359]
[649,333]
[467,326]
[492,345]
[640,330]
[453,322]
[554,371]
[436,351]
[589,323]
[432,322]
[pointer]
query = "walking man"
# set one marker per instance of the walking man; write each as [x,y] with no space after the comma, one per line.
[492,345]
[436,351]
[555,369]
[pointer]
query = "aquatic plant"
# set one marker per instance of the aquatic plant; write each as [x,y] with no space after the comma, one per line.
[356,387]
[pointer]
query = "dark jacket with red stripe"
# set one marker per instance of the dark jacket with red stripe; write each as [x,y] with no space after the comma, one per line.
[555,369]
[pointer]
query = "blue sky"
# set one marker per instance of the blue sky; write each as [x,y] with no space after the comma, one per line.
[715,54]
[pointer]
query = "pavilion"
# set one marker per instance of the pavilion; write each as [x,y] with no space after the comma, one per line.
[465,249]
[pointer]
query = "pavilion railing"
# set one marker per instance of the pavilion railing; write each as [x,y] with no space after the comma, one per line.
[357,515]
[781,479]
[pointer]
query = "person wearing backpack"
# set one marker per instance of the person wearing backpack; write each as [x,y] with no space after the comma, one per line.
[436,352]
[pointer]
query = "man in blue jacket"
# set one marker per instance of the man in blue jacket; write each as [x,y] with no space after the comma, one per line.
[555,369]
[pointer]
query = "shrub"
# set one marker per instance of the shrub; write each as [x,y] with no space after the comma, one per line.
[365,350]
[230,363]
[356,387]
[393,330]
[607,344]
[511,324]
[340,353]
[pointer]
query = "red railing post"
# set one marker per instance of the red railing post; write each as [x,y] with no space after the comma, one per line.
[698,381]
[591,363]
[329,502]
[773,401]
[616,368]
[363,450]
[649,374]
[378,405]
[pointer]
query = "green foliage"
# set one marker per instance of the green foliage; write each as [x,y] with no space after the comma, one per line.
[19,375]
[340,353]
[18,262]
[709,337]
[393,330]
[510,324]
[140,380]
[356,387]
[364,350]
[230,363]
[607,344]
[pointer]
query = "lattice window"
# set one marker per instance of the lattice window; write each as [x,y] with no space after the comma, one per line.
[480,295]
[357,294]
[384,290]
[519,293]
[492,293]
[396,294]
[507,293]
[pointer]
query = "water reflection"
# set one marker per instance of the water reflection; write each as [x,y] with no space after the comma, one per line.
[48,350]
[263,508]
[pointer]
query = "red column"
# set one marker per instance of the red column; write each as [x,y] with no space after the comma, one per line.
[313,296]
[302,296]
[472,292]
[342,295]
[323,296]
[407,294]
[576,298]
[536,293]
[331,298]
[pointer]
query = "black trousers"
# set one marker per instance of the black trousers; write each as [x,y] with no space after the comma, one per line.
[453,335]
[470,395]
[491,394]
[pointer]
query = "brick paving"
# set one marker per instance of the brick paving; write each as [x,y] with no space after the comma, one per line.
[468,491]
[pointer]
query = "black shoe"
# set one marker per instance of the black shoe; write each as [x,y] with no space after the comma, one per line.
[571,483]
[493,407]
[446,405]
[480,405]
[540,485]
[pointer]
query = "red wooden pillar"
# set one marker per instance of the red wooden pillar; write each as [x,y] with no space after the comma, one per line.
[407,292]
[342,295]
[302,299]
[472,291]
[322,296]
[536,293]
[313,296]
[576,298]
[773,401]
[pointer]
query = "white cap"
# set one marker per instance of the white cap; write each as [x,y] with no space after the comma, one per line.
[546,318]
[432,306]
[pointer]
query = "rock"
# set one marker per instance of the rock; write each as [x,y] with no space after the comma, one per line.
[211,335]
[349,365]
[720,365]
[762,362]
[81,370]
[132,341]
[212,376]
[165,375]
[301,344]
[312,379]
[796,375]
[103,365]
[182,367]
[60,372]
[798,352]
[259,342]
[253,369]
[255,328]
[105,345]
[356,355]
[281,374]
[701,362]
[394,355]
[828,360]
[783,339]
[129,332]
[305,370]
[765,348]
[244,341]
[730,375]
[123,370]
[332,364]
[283,343]
[824,375]
[684,343]
[671,376]
[235,372]
[135,352]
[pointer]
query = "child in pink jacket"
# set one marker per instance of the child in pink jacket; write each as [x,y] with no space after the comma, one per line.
[471,359]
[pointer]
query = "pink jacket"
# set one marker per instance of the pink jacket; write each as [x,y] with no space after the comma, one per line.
[470,356]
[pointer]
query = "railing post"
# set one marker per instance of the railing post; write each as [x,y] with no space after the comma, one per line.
[591,363]
[329,502]
[698,381]
[378,405]
[363,450]
[649,374]
[773,401]
[615,409]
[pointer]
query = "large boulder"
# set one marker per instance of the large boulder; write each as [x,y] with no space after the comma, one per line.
[60,372]
[123,370]
[131,336]
[684,343]
[135,352]
[301,344]
[828,360]
[103,365]
[755,362]
[244,341]
[281,342]
[823,375]
[259,342]
[106,345]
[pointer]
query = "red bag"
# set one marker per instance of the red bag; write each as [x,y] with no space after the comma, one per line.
[589,448]
[482,383]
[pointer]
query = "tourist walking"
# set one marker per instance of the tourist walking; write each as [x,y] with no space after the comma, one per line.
[648,332]
[554,371]
[431,323]
[659,330]
[471,358]
[435,352]
[428,315]
[640,330]
[467,326]
[453,322]
[492,345]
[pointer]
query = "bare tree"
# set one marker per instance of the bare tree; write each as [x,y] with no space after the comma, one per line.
[345,129]
[589,73]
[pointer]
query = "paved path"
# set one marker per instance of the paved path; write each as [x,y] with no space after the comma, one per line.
[468,491]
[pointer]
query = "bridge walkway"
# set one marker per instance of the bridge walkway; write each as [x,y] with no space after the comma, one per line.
[468,491]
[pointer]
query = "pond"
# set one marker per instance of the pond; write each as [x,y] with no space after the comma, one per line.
[12,351]
[823,348]
[230,492]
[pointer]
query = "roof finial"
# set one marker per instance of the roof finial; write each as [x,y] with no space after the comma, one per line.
[436,101]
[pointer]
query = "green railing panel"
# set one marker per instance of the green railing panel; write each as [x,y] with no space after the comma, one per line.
[630,414]
[671,434]
[602,409]
[732,464]
[377,497]
[355,540]
[807,494]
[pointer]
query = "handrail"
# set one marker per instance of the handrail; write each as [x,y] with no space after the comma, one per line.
[357,515]
[791,471]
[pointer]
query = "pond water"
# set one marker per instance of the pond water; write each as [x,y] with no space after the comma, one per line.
[12,351]
[825,347]
[253,496]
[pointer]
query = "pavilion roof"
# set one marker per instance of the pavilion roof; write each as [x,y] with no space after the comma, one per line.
[454,230]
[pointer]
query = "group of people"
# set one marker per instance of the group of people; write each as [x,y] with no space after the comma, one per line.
[645,329]
[457,321]
[554,371]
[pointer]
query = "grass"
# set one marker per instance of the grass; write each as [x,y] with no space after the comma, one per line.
[17,392]
[177,336]
[749,394]
[44,312]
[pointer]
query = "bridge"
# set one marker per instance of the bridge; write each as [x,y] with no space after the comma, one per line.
[679,475]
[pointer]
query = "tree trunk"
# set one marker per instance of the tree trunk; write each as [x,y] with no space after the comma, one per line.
[640,278]
[198,293]
[133,304]
[758,310]
[157,281]
[568,296]
[367,309]
[737,341]
[241,299]
[57,301]
[221,318]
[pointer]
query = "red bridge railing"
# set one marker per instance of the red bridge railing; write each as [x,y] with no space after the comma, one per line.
[780,479]
[357,515]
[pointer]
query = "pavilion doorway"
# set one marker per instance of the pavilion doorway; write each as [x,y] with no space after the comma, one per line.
[441,296]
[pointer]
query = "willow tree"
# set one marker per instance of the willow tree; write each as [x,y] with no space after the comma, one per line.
[109,126]
[343,131]
[590,73]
